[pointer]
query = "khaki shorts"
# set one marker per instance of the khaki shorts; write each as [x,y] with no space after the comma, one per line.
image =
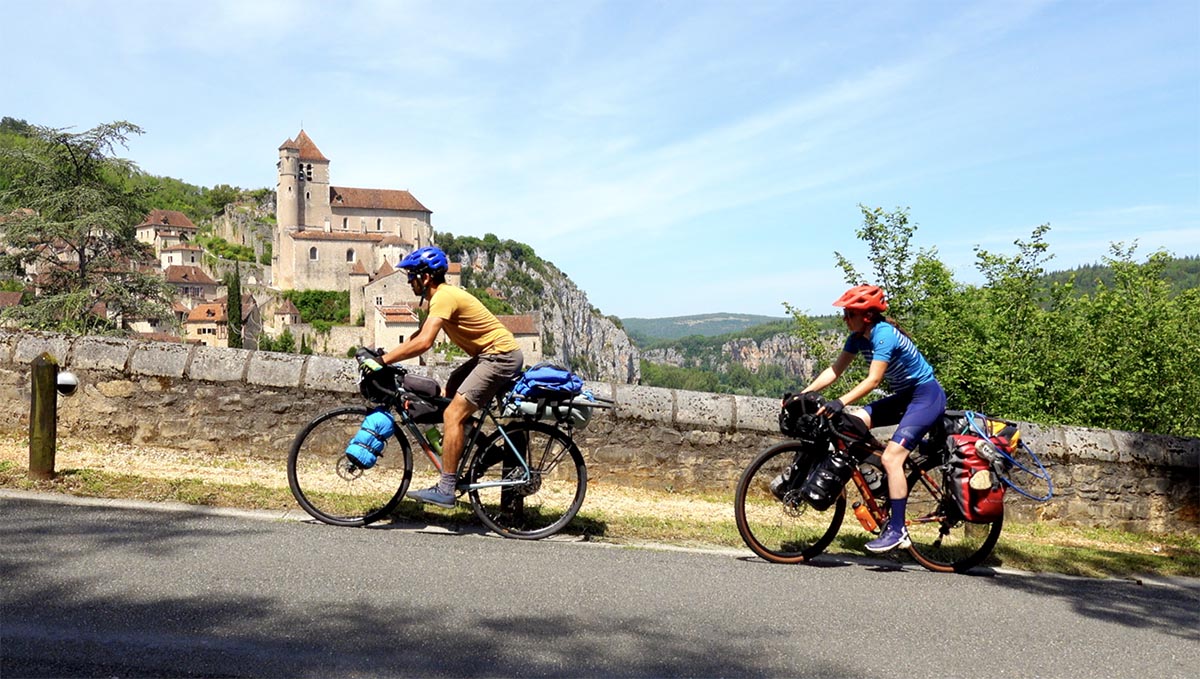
[482,377]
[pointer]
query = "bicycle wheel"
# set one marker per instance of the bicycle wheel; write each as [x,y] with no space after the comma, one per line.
[941,540]
[548,501]
[332,489]
[788,530]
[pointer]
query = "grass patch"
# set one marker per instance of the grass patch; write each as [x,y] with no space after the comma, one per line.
[626,516]
[96,483]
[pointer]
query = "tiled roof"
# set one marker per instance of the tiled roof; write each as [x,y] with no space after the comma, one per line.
[287,309]
[317,234]
[401,313]
[520,325]
[358,270]
[374,199]
[168,218]
[182,246]
[180,273]
[207,313]
[308,150]
[385,269]
[393,239]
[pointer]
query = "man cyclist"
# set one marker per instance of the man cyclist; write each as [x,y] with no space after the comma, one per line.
[495,356]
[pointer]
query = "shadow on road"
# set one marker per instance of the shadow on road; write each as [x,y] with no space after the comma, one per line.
[238,623]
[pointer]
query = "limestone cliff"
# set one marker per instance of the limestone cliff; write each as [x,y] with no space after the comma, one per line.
[574,333]
[785,350]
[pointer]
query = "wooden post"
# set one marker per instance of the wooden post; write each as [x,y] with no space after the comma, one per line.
[43,417]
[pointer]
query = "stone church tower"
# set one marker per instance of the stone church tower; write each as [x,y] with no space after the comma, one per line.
[324,233]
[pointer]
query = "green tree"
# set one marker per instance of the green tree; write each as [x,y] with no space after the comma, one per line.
[233,304]
[286,342]
[70,223]
[221,195]
[1029,346]
[888,236]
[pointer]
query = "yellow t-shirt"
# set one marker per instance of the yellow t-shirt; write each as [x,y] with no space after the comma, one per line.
[468,323]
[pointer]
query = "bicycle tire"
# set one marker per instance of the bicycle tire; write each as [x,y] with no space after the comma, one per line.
[941,540]
[332,489]
[789,530]
[548,502]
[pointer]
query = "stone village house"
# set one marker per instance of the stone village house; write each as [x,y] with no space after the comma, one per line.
[326,237]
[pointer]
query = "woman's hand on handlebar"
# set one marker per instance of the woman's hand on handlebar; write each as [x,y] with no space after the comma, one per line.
[831,408]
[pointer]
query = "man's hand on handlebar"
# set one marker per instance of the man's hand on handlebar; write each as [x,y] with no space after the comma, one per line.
[368,360]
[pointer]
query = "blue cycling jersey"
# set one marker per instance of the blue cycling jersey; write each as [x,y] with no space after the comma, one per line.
[906,366]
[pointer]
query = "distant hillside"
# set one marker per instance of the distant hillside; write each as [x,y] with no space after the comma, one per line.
[645,331]
[1183,273]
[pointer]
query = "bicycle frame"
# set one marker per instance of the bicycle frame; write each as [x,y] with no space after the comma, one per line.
[470,436]
[876,509]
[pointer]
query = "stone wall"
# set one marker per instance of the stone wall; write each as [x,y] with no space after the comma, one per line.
[244,402]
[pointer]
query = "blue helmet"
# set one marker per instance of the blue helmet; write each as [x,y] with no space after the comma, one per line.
[425,260]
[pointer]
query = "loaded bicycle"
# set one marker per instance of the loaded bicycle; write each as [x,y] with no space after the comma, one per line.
[791,499]
[521,470]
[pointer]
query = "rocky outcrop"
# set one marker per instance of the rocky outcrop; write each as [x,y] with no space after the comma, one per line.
[784,350]
[574,333]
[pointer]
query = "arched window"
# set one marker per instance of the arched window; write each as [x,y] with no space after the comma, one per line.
[345,223]
[312,254]
[308,172]
[379,224]
[350,255]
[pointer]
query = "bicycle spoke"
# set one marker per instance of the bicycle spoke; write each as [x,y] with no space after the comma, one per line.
[783,529]
[332,489]
[550,496]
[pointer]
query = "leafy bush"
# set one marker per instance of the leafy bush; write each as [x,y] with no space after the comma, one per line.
[331,306]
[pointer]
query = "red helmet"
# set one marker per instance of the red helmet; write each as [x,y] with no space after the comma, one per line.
[863,297]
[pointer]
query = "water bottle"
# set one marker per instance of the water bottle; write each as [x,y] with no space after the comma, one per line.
[435,439]
[864,517]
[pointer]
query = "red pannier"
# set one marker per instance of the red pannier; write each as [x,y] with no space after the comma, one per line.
[983,501]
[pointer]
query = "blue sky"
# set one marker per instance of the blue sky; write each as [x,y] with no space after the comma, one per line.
[673,157]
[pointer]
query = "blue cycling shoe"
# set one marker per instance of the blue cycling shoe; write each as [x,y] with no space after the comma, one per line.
[891,539]
[433,496]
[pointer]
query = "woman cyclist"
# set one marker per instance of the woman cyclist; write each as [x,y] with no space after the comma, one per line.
[915,405]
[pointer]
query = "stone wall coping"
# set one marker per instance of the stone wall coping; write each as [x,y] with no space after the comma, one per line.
[683,410]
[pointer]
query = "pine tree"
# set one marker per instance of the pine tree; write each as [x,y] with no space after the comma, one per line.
[233,288]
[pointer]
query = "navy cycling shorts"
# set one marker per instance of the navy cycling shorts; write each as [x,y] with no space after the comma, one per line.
[915,410]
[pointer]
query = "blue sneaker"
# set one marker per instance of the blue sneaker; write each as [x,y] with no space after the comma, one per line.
[433,496]
[891,539]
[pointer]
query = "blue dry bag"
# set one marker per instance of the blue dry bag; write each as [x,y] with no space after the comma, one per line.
[548,381]
[368,442]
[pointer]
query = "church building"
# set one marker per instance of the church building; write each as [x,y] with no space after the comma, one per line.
[326,232]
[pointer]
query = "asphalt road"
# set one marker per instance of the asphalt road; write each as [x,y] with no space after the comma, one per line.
[103,589]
